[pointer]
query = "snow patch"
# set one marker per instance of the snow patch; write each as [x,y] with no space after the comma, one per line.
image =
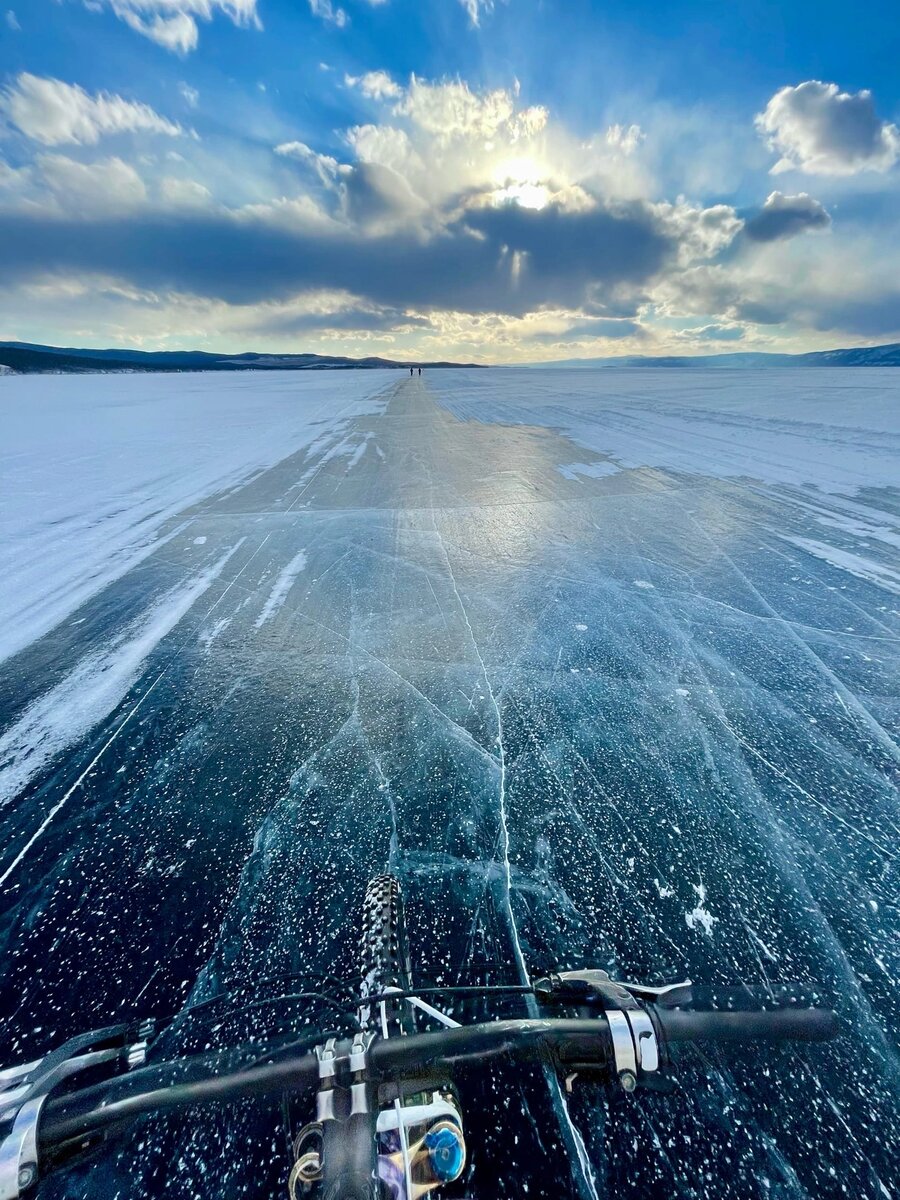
[282,586]
[863,568]
[92,467]
[700,916]
[94,688]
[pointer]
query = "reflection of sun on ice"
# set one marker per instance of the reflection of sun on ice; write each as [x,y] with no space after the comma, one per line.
[518,181]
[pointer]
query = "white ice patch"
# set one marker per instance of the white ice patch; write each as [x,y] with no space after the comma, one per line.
[863,568]
[281,587]
[643,583]
[91,691]
[700,916]
[206,637]
[359,451]
[199,541]
[581,628]
[594,470]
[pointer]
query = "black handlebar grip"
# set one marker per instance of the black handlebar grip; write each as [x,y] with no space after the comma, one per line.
[781,1024]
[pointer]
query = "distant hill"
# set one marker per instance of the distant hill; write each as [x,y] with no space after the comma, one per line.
[864,356]
[25,358]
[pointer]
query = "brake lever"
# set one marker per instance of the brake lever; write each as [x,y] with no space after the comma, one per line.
[594,986]
[24,1091]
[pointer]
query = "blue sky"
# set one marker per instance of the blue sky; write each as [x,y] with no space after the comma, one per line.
[522,180]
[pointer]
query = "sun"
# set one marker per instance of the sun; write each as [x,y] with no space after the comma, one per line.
[519,181]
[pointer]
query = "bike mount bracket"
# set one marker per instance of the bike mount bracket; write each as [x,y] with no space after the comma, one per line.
[635,1042]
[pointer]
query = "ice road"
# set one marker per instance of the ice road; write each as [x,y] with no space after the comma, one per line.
[604,664]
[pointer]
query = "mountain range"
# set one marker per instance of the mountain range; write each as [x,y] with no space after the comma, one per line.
[861,356]
[27,358]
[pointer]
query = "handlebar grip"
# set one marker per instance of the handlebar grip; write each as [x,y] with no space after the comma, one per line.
[782,1024]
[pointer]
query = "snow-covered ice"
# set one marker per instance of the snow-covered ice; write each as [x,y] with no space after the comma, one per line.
[91,467]
[838,430]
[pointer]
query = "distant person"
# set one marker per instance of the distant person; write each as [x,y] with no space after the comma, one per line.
[420,370]
[410,372]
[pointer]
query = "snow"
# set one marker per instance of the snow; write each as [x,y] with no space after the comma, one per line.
[93,688]
[855,564]
[837,429]
[92,466]
[283,585]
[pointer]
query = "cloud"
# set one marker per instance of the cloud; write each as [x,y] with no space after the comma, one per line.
[55,113]
[713,333]
[340,314]
[475,8]
[785,216]
[626,139]
[12,21]
[173,23]
[820,130]
[377,85]
[452,110]
[190,95]
[487,260]
[332,14]
[375,196]
[591,328]
[109,185]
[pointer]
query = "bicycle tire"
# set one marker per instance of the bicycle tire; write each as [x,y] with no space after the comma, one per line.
[384,954]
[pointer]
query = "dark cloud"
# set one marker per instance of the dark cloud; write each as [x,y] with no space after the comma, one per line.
[352,320]
[597,328]
[375,193]
[490,260]
[785,216]
[867,316]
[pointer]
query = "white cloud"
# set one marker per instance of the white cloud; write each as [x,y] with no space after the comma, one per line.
[452,110]
[184,193]
[190,95]
[173,23]
[109,185]
[625,138]
[377,85]
[386,145]
[700,232]
[55,113]
[331,13]
[475,8]
[818,129]
[324,165]
[12,21]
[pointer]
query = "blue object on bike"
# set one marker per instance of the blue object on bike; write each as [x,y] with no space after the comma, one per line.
[446,1152]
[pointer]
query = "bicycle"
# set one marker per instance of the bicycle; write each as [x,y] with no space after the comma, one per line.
[384,1114]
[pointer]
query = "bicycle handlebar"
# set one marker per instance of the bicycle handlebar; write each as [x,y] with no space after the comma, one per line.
[782,1024]
[560,1042]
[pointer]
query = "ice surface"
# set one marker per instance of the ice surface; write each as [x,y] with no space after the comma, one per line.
[837,430]
[642,717]
[91,466]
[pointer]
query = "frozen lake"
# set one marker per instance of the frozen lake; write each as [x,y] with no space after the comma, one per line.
[603,663]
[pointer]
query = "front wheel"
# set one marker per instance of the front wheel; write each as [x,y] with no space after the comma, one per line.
[384,957]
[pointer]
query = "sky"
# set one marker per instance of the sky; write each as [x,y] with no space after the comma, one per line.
[479,180]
